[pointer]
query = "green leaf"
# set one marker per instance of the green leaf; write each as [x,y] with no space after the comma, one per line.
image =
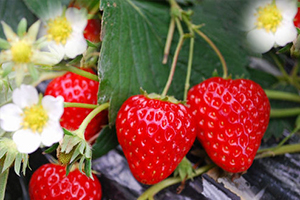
[44,9]
[9,159]
[52,148]
[134,34]
[18,161]
[3,181]
[12,11]
[106,141]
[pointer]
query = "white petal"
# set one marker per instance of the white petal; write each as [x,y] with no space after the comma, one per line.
[26,140]
[53,106]
[24,96]
[288,8]
[10,117]
[77,18]
[285,34]
[45,58]
[55,48]
[52,133]
[75,46]
[260,41]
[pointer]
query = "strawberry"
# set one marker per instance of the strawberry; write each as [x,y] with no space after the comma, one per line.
[232,117]
[297,19]
[92,30]
[76,88]
[155,135]
[50,182]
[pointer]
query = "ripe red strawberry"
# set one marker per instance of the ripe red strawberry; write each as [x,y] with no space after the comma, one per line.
[50,182]
[232,117]
[92,30]
[297,19]
[155,135]
[76,88]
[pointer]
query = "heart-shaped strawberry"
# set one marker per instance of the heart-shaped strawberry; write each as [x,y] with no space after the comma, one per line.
[155,136]
[232,117]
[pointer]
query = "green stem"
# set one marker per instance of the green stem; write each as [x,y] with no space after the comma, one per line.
[268,152]
[278,95]
[175,57]
[80,105]
[149,193]
[288,137]
[215,48]
[285,112]
[81,72]
[280,66]
[80,131]
[189,69]
[76,70]
[169,40]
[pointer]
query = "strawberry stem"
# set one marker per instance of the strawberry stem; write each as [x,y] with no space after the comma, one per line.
[215,48]
[80,131]
[80,105]
[189,69]
[175,57]
[285,112]
[149,193]
[169,40]
[76,70]
[279,95]
[81,72]
[268,152]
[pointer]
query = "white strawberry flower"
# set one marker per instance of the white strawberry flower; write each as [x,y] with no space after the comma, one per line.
[64,31]
[22,50]
[33,120]
[269,23]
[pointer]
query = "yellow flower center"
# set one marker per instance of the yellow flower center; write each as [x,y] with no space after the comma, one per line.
[21,52]
[35,118]
[59,29]
[268,17]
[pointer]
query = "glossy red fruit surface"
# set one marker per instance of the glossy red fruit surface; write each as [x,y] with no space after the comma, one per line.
[155,135]
[49,182]
[232,117]
[297,19]
[92,30]
[78,89]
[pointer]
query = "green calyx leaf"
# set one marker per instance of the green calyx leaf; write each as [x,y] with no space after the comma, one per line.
[9,155]
[184,170]
[74,149]
[171,99]
[22,26]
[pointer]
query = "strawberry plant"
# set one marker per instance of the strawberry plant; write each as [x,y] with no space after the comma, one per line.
[220,93]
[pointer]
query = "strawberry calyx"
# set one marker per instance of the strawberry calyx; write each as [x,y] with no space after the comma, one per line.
[156,96]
